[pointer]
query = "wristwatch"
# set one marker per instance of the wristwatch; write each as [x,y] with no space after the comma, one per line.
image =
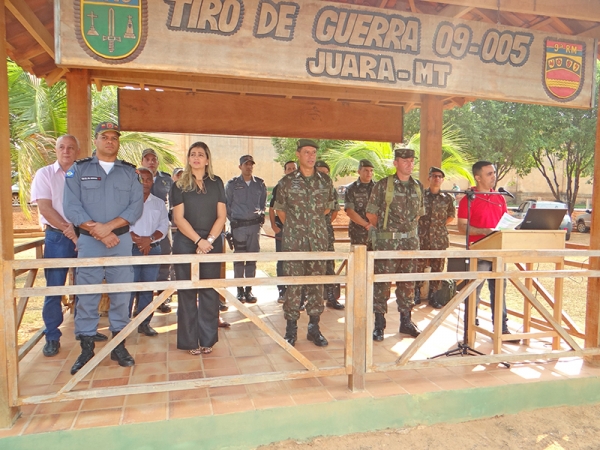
[210,239]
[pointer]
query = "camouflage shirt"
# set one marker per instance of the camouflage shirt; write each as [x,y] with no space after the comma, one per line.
[304,201]
[330,231]
[357,197]
[433,234]
[405,208]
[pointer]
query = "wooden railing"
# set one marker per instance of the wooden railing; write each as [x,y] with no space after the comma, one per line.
[359,277]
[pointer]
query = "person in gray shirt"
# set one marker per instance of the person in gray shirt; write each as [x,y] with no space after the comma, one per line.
[102,197]
[246,200]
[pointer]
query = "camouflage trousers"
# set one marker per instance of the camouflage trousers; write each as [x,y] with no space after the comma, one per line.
[405,291]
[293,293]
[437,265]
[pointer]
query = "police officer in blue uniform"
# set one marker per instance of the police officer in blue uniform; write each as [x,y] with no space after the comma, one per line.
[103,195]
[246,201]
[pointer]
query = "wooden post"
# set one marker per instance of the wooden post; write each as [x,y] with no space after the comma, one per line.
[357,270]
[8,333]
[592,316]
[431,135]
[79,114]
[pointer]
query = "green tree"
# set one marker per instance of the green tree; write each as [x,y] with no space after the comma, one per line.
[38,115]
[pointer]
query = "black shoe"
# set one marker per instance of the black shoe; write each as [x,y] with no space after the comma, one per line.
[250,298]
[223,307]
[87,353]
[291,332]
[241,296]
[407,326]
[334,304]
[147,330]
[477,322]
[510,341]
[379,327]
[51,348]
[314,333]
[98,337]
[164,308]
[121,355]
[417,296]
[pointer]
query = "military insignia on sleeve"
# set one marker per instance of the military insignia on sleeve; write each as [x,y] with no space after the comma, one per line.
[564,69]
[70,173]
[112,31]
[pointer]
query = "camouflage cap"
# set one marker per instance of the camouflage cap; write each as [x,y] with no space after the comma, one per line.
[433,169]
[403,152]
[306,143]
[149,151]
[364,163]
[322,164]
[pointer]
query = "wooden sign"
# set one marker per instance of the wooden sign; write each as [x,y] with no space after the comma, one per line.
[324,43]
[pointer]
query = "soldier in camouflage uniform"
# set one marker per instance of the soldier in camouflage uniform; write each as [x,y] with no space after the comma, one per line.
[304,198]
[399,233]
[331,291]
[440,209]
[357,197]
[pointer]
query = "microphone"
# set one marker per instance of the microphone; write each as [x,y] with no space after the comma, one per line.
[505,192]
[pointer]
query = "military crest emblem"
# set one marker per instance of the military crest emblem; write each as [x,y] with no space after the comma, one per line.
[112,31]
[564,69]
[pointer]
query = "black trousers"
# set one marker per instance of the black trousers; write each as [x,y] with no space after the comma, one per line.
[198,309]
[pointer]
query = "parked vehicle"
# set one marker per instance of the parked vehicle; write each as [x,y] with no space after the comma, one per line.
[566,224]
[584,221]
[341,190]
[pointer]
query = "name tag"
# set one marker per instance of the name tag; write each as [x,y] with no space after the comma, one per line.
[91,178]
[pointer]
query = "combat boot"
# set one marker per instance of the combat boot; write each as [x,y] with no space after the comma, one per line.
[291,332]
[120,354]
[417,295]
[87,353]
[332,302]
[241,296]
[407,326]
[250,298]
[379,327]
[314,333]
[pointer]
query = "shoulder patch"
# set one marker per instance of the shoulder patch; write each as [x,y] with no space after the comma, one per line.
[89,158]
[70,173]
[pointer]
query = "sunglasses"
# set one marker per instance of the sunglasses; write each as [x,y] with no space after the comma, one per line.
[436,176]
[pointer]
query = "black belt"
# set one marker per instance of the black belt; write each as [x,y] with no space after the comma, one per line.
[56,230]
[152,245]
[118,231]
[246,223]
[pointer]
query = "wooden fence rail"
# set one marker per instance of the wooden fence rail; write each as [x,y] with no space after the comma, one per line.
[358,276]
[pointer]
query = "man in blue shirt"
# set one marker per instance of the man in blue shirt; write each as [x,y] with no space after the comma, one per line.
[102,197]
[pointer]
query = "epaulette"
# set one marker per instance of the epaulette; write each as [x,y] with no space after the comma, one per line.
[129,164]
[164,173]
[89,158]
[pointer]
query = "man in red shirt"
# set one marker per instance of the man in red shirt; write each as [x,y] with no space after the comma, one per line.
[486,211]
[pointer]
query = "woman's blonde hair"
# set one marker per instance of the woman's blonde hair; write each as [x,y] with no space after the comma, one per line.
[187,181]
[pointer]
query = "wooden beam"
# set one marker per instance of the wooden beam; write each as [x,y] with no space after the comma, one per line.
[8,333]
[55,75]
[252,115]
[431,135]
[246,86]
[588,10]
[592,314]
[455,11]
[32,24]
[593,32]
[79,104]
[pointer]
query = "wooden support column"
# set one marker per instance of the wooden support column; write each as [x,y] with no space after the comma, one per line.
[79,104]
[592,316]
[357,315]
[431,135]
[8,333]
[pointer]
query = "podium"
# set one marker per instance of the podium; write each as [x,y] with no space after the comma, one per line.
[519,240]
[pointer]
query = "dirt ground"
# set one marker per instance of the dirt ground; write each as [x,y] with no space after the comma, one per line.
[544,429]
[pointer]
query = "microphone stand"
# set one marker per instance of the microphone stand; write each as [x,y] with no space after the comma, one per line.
[462,348]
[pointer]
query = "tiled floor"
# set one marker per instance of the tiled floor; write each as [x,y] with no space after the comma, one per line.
[244,349]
